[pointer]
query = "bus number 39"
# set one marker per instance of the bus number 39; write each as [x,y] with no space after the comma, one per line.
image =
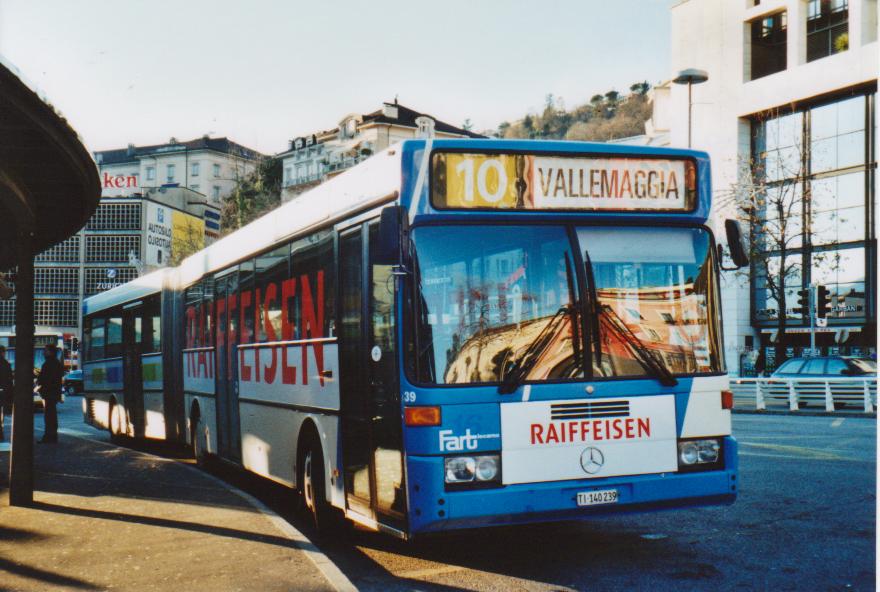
[466,167]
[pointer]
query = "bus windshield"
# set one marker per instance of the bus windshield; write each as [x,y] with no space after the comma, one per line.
[655,289]
[502,299]
[491,297]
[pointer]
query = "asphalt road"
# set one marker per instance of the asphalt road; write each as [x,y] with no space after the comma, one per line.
[804,520]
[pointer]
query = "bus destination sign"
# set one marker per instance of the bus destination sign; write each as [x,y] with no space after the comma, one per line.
[536,182]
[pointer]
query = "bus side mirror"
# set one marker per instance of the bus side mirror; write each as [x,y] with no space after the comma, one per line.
[735,245]
[393,233]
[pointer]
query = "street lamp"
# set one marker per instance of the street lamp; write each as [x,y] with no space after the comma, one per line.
[691,76]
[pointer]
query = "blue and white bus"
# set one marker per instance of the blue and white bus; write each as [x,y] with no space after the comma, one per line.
[453,334]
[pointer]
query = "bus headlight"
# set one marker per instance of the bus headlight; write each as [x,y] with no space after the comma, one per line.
[472,469]
[693,453]
[460,469]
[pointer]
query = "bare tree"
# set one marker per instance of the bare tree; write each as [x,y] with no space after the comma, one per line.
[769,199]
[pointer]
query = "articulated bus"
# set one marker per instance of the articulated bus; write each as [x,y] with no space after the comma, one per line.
[453,334]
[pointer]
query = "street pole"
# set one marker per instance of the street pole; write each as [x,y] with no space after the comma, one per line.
[691,76]
[690,111]
[812,319]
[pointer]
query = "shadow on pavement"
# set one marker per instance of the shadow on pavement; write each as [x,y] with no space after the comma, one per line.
[44,576]
[167,523]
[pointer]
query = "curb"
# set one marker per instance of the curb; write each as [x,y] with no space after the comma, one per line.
[328,569]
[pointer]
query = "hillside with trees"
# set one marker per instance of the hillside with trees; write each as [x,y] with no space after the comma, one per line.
[606,117]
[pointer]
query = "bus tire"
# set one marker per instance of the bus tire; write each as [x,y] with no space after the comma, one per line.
[312,489]
[114,421]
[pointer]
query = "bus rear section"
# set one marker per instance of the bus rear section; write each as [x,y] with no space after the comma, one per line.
[124,387]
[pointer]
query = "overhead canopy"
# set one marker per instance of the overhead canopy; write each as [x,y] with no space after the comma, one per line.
[44,169]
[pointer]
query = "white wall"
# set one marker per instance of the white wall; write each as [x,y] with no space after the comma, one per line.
[712,35]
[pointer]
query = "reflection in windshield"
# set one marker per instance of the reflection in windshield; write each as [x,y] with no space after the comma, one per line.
[494,303]
[488,295]
[662,292]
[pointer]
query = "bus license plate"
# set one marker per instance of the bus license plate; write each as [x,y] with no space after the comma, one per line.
[594,498]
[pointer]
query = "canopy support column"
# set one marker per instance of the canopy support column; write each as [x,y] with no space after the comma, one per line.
[21,465]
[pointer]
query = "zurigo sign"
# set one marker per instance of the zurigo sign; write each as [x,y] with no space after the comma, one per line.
[537,182]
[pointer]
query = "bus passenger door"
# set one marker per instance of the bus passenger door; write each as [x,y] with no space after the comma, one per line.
[132,368]
[226,303]
[371,422]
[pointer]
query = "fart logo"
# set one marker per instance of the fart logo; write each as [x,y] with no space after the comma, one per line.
[449,442]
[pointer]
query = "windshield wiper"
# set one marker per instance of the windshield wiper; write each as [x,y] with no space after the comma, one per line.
[644,354]
[521,368]
[593,311]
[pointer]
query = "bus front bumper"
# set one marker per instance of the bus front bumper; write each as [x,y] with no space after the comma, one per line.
[435,509]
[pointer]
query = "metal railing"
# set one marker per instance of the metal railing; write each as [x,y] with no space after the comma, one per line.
[797,393]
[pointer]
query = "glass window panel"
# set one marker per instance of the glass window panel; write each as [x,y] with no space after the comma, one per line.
[841,266]
[850,149]
[824,230]
[850,225]
[851,190]
[823,155]
[851,115]
[823,194]
[823,121]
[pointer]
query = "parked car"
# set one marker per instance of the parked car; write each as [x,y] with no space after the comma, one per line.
[810,374]
[826,367]
[72,383]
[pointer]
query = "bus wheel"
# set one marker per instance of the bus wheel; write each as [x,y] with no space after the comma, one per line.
[115,421]
[312,487]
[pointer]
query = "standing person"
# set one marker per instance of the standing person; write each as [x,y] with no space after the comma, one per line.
[50,390]
[5,387]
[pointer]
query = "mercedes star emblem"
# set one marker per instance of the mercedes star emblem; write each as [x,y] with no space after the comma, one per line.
[592,460]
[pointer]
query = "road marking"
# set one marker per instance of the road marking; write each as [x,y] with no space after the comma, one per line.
[795,451]
[428,572]
[836,423]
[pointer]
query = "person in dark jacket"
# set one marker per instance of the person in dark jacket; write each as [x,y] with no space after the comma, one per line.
[5,387]
[50,390]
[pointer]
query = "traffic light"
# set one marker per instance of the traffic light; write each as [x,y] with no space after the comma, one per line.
[803,307]
[74,344]
[823,302]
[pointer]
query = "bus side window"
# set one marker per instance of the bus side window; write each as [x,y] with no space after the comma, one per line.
[311,267]
[114,337]
[96,340]
[271,270]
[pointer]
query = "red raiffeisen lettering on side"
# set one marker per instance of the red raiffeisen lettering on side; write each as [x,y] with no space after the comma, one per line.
[593,430]
[246,318]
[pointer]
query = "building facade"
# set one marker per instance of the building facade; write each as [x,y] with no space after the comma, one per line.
[311,159]
[788,116]
[157,201]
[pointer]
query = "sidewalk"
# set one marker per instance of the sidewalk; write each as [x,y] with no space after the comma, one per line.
[110,518]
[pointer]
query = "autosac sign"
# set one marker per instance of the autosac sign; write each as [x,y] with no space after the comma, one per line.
[560,440]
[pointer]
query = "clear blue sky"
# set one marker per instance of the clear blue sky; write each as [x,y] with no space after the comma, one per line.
[262,72]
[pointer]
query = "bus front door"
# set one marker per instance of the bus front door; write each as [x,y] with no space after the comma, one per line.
[372,437]
[132,368]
